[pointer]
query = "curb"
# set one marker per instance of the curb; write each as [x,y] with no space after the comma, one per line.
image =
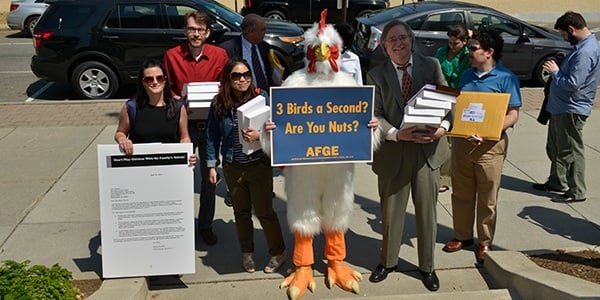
[514,271]
[125,289]
[497,294]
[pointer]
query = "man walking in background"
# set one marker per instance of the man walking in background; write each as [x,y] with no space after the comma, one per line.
[570,102]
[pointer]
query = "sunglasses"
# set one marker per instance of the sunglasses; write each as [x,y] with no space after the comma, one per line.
[237,76]
[473,48]
[150,79]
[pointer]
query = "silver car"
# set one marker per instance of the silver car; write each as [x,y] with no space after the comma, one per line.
[24,14]
[526,46]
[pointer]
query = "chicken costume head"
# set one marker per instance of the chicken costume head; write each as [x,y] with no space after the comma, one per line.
[320,197]
[322,47]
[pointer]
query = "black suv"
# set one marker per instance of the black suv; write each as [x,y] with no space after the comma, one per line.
[99,45]
[306,12]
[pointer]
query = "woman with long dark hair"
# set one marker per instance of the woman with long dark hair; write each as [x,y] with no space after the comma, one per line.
[249,176]
[152,115]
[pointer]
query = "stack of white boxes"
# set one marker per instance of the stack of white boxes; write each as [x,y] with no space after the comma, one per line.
[252,114]
[429,106]
[199,96]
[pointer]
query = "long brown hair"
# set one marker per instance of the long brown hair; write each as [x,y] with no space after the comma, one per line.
[225,101]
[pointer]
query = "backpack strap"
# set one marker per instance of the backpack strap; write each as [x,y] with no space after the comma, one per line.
[180,103]
[131,106]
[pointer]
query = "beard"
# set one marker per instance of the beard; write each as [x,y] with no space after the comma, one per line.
[572,40]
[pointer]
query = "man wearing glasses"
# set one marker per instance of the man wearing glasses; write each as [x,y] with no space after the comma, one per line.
[408,161]
[196,61]
[477,163]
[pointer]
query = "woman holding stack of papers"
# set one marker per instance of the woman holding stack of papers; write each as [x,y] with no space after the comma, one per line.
[248,174]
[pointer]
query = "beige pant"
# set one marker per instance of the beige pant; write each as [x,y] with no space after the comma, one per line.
[476,173]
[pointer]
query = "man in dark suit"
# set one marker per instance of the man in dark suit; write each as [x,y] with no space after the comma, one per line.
[408,161]
[254,28]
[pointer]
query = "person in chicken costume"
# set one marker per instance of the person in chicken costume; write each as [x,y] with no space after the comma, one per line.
[320,197]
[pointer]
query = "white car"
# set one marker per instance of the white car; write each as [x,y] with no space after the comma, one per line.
[24,14]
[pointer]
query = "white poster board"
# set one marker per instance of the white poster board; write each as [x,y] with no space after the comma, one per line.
[146,210]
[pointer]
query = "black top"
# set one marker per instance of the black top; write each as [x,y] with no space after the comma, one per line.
[151,125]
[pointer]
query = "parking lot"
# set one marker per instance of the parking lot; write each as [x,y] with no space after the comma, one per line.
[18,84]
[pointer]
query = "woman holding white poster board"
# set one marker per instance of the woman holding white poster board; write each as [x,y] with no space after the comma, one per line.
[249,175]
[152,116]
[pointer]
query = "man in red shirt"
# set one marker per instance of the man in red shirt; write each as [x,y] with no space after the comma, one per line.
[196,61]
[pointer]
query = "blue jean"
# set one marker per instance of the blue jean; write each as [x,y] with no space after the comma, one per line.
[206,213]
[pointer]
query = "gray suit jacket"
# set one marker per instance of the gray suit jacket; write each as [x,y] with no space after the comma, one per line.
[389,110]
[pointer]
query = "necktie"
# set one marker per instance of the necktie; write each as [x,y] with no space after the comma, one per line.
[406,82]
[261,81]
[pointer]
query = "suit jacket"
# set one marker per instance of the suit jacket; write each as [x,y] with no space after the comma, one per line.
[389,110]
[234,49]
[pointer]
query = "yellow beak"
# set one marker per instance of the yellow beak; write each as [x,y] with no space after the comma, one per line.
[322,52]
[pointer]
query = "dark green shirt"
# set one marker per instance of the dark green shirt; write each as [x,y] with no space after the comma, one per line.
[454,68]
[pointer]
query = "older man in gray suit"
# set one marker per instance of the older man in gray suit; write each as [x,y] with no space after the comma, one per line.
[409,159]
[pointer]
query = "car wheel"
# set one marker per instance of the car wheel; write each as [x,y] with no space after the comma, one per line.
[30,24]
[275,14]
[94,80]
[539,76]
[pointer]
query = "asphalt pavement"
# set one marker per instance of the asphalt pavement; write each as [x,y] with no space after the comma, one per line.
[50,212]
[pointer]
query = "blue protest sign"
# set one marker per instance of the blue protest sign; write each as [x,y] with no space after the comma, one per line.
[317,125]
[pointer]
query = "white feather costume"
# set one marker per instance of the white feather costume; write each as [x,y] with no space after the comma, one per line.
[320,197]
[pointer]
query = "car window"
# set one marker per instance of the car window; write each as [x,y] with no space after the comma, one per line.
[531,33]
[134,16]
[175,15]
[73,17]
[502,26]
[443,21]
[223,12]
[416,23]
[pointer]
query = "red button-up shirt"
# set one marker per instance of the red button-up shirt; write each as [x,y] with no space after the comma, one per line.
[183,68]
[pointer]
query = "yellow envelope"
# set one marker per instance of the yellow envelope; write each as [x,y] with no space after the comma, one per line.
[479,113]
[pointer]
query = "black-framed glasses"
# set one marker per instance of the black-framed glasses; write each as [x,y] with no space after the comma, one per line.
[150,79]
[473,48]
[190,29]
[237,75]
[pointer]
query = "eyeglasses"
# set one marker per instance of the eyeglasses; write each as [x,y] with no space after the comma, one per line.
[473,48]
[150,79]
[394,39]
[189,29]
[237,75]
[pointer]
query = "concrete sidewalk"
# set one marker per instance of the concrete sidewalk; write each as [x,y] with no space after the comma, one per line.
[50,213]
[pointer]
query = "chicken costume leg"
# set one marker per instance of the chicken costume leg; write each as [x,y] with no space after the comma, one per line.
[320,197]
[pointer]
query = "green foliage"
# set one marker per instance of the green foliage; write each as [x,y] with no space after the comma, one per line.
[37,282]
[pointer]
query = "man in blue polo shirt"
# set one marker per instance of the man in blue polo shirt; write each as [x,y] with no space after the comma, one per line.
[570,101]
[477,163]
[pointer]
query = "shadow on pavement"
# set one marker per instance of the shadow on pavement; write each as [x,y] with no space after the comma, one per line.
[560,223]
